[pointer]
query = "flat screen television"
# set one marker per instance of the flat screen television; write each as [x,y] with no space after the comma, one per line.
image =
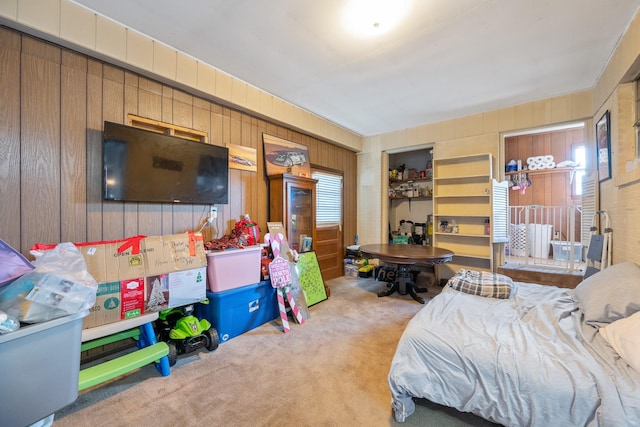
[145,166]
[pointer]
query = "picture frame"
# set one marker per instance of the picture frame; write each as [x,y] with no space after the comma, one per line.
[285,157]
[306,244]
[603,145]
[243,158]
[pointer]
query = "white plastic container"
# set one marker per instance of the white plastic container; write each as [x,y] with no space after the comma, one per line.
[40,369]
[233,268]
[518,242]
[562,251]
[539,237]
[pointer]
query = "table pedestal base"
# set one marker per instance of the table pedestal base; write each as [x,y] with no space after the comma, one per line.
[403,285]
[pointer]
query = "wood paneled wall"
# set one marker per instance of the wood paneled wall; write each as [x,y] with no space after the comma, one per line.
[552,189]
[54,102]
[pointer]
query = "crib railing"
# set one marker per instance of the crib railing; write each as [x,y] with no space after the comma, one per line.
[545,237]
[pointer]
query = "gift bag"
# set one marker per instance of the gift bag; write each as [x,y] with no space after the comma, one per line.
[248,230]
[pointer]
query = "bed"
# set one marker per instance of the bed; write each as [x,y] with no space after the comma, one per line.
[540,356]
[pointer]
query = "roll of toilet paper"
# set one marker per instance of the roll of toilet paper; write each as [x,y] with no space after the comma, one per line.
[540,162]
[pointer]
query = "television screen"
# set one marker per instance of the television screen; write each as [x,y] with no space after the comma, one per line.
[145,166]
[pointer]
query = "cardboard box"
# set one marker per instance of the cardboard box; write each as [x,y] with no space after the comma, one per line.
[400,240]
[127,269]
[118,267]
[239,310]
[176,252]
[176,289]
[116,301]
[233,268]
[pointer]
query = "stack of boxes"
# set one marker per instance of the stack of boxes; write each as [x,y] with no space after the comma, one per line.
[351,259]
[144,274]
[237,300]
[141,274]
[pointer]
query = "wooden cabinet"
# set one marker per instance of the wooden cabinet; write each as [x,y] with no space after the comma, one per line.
[469,209]
[293,202]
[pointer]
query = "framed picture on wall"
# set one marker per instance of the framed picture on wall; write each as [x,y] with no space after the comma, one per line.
[243,158]
[282,156]
[603,140]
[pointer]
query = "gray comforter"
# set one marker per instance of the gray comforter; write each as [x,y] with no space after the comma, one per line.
[523,361]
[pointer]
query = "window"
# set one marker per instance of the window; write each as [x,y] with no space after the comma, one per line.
[580,157]
[328,198]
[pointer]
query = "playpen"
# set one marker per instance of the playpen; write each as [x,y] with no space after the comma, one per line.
[546,237]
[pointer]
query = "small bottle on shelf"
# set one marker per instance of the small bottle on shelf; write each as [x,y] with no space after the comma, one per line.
[487,227]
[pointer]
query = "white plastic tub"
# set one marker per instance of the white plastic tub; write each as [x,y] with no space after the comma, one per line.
[233,268]
[562,251]
[40,368]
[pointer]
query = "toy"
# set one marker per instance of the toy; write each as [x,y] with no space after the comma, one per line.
[280,275]
[184,332]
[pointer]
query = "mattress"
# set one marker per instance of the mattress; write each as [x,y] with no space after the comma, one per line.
[523,361]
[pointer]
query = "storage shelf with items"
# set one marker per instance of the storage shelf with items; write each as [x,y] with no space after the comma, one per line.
[410,190]
[401,189]
[464,207]
[541,171]
[467,237]
[464,225]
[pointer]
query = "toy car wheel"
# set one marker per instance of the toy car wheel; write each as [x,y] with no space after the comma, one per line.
[162,332]
[173,354]
[212,339]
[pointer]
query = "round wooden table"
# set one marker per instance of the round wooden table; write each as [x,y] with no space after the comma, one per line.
[404,256]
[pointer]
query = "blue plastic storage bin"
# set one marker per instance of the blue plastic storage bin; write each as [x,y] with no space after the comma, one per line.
[239,310]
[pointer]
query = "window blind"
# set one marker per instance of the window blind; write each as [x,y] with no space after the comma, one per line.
[328,198]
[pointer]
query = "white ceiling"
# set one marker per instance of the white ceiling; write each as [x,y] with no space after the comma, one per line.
[447,59]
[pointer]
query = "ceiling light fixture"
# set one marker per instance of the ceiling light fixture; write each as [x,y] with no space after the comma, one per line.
[369,18]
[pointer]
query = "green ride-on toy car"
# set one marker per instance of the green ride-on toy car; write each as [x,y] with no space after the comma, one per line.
[184,332]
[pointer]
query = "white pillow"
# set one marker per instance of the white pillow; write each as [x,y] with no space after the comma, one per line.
[622,335]
[610,294]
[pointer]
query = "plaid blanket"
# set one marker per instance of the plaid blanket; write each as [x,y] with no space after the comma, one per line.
[483,283]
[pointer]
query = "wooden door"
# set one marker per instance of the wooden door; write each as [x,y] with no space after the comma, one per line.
[329,250]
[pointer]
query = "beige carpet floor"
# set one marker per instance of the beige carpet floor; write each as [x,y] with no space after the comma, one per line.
[331,371]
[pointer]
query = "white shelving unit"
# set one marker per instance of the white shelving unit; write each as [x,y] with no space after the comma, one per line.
[465,192]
